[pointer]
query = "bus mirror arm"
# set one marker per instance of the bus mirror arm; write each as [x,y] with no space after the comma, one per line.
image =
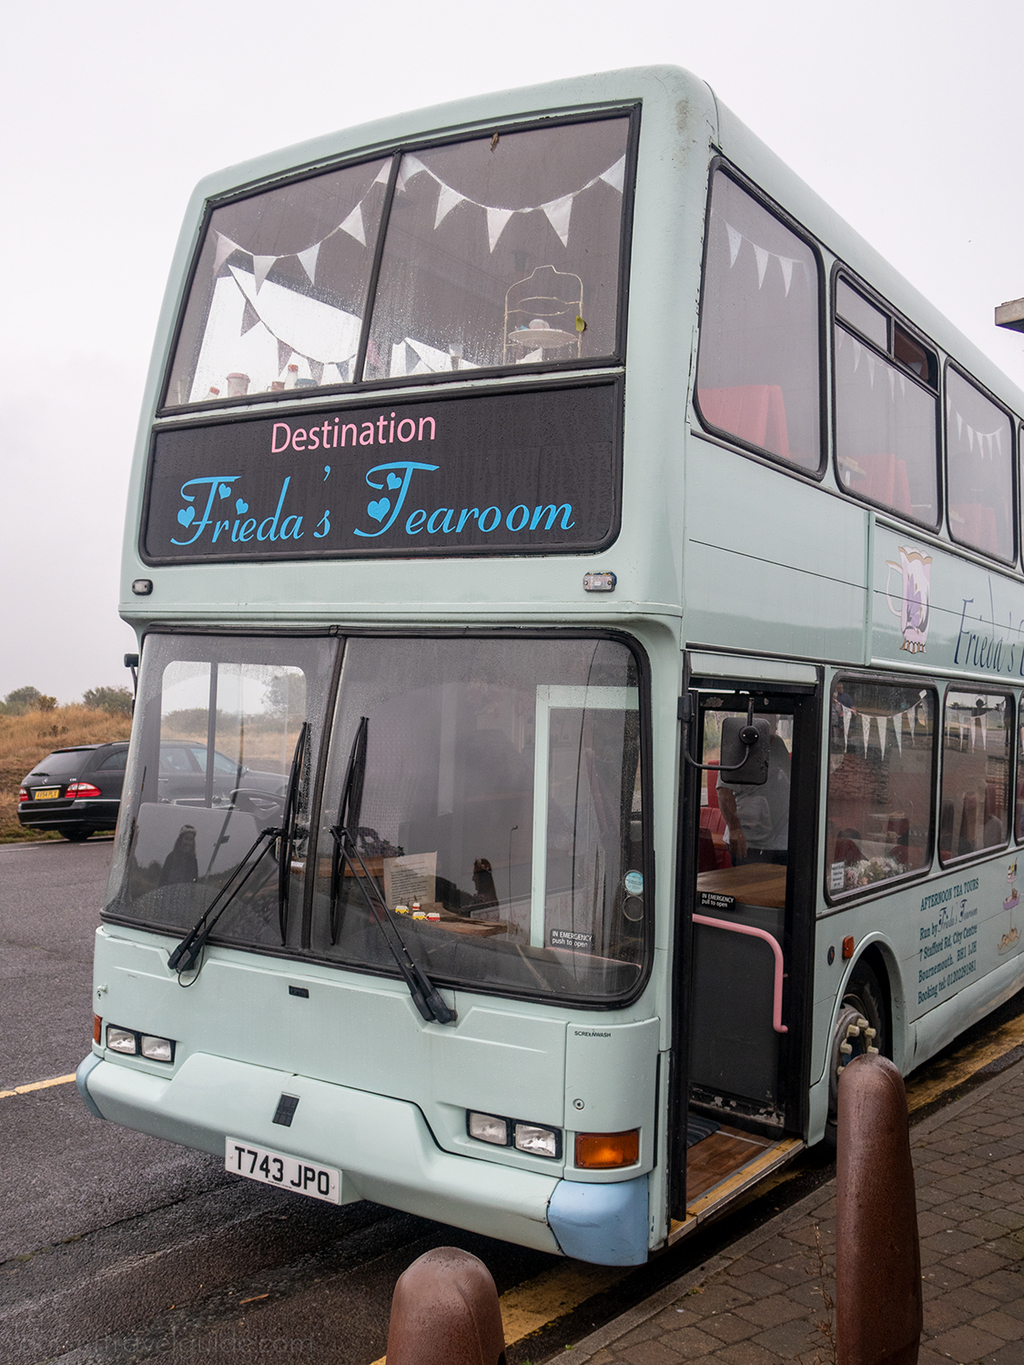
[751,740]
[184,957]
[423,991]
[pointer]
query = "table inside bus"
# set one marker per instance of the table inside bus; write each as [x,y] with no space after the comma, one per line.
[751,884]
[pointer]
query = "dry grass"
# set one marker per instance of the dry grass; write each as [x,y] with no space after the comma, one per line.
[24,740]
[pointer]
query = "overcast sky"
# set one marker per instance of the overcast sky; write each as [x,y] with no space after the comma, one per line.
[904,115]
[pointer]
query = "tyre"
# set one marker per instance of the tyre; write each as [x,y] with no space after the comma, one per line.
[863,999]
[76,836]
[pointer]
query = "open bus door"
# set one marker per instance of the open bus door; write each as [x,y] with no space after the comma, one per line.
[744,970]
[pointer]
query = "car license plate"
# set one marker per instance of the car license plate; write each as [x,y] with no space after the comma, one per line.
[287,1172]
[45,793]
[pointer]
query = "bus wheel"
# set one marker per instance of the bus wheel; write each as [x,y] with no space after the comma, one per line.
[860,1028]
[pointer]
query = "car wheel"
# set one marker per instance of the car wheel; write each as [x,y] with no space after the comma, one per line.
[76,836]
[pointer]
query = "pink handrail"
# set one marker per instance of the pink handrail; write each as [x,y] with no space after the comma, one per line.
[777,1023]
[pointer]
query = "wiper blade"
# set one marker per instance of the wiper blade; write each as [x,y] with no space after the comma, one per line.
[185,956]
[348,814]
[284,852]
[423,991]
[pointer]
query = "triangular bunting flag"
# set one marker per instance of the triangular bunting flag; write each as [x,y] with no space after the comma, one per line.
[881,734]
[261,268]
[382,178]
[411,166]
[225,246]
[307,259]
[762,263]
[865,725]
[496,220]
[615,175]
[447,199]
[353,225]
[557,213]
[316,370]
[284,354]
[857,348]
[847,717]
[250,317]
[787,272]
[897,723]
[735,240]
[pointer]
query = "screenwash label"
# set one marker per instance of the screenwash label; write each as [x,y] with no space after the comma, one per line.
[530,472]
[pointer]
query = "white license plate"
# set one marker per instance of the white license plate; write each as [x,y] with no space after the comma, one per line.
[287,1172]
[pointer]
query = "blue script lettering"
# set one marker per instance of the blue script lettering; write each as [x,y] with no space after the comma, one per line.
[382,509]
[216,483]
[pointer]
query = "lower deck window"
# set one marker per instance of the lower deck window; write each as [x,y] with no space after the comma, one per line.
[488,793]
[880,783]
[481,798]
[975,773]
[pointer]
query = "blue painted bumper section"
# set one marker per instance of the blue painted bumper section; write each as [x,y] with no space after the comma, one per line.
[603,1224]
[86,1065]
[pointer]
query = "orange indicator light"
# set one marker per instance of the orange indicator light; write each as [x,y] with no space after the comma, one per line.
[97,1028]
[848,947]
[605,1151]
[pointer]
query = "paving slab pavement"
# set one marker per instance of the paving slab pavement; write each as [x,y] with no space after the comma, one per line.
[770,1297]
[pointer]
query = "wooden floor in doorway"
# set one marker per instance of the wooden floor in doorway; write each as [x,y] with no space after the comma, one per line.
[716,1157]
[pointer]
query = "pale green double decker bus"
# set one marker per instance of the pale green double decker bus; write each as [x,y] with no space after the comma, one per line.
[580,608]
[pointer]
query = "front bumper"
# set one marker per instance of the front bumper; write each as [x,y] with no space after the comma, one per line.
[384,1148]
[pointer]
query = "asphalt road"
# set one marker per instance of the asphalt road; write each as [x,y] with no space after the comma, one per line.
[116,1247]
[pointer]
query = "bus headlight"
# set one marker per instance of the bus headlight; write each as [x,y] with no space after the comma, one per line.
[122,1040]
[132,1044]
[537,1141]
[488,1128]
[530,1138]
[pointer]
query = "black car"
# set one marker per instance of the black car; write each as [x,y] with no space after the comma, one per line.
[184,776]
[74,791]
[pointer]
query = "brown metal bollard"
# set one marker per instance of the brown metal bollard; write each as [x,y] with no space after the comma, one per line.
[445,1312]
[878,1255]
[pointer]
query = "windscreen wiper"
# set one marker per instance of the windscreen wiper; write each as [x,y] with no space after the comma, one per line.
[185,956]
[284,851]
[423,991]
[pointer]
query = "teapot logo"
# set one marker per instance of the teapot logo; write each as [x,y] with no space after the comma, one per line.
[914,608]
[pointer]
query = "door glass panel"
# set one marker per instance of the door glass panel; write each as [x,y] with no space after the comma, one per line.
[744,830]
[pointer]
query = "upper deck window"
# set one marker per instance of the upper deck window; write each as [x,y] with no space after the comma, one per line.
[758,363]
[886,410]
[979,470]
[501,250]
[280,288]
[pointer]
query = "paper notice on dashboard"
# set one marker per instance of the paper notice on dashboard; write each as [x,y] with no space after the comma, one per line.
[410,878]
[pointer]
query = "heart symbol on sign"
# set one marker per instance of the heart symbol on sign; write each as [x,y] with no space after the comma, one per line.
[187,515]
[394,481]
[224,490]
[379,510]
[241,507]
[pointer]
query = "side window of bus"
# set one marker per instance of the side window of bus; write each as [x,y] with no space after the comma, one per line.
[1020,779]
[758,373]
[880,783]
[887,411]
[976,767]
[502,251]
[979,470]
